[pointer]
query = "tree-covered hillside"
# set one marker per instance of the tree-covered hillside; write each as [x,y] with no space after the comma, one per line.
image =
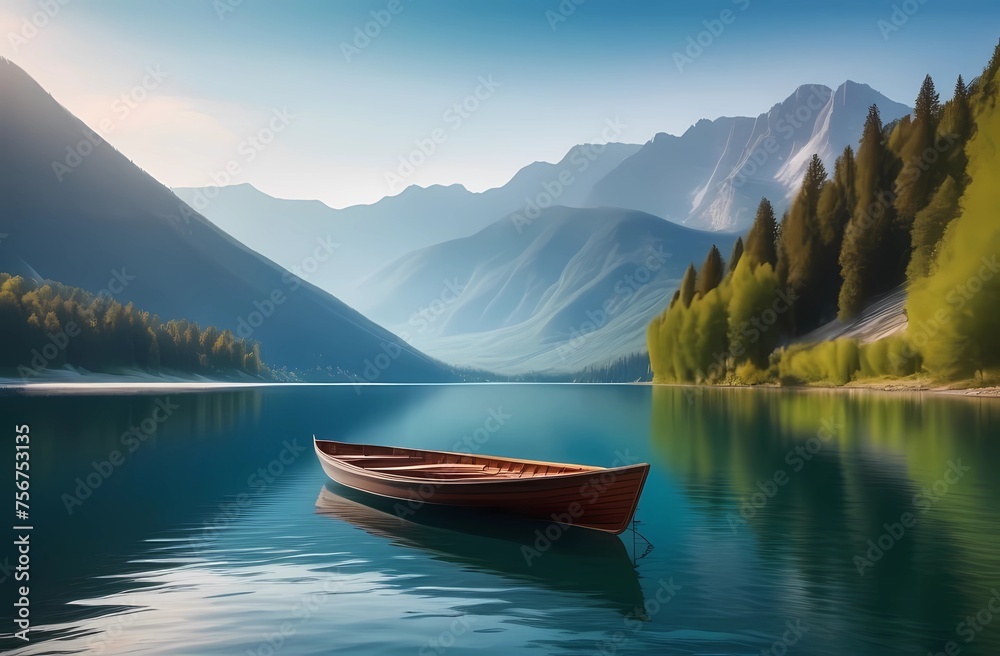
[48,325]
[916,205]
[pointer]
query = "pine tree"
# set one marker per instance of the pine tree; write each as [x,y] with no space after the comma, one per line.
[737,253]
[836,203]
[955,130]
[869,261]
[920,174]
[929,228]
[761,244]
[711,272]
[688,285]
[989,76]
[801,243]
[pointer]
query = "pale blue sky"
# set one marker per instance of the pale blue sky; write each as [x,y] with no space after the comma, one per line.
[558,80]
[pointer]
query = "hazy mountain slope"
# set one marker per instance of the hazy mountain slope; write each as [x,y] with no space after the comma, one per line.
[714,175]
[102,219]
[574,287]
[371,236]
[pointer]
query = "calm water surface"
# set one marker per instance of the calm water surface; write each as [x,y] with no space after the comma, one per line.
[825,522]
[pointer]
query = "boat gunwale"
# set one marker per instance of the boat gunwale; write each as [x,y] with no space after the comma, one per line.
[587,469]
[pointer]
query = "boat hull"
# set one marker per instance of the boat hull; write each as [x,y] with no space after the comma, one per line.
[594,498]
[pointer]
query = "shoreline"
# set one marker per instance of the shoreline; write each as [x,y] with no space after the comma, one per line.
[122,385]
[880,386]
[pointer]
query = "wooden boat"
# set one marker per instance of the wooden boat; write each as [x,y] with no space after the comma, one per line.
[603,499]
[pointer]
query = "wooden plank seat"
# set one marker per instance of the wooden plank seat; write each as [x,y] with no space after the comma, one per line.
[352,457]
[444,466]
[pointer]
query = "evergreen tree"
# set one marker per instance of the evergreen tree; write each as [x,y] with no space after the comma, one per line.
[734,257]
[761,244]
[989,76]
[929,228]
[920,174]
[711,273]
[688,284]
[869,261]
[955,130]
[837,201]
[801,244]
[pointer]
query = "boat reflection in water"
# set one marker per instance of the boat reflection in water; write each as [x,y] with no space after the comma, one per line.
[577,561]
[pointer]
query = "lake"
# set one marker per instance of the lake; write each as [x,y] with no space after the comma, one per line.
[799,522]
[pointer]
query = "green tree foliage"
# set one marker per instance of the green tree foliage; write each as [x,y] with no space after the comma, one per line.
[955,129]
[762,240]
[688,285]
[868,259]
[833,211]
[97,333]
[711,272]
[800,261]
[929,228]
[752,330]
[626,369]
[920,172]
[918,200]
[954,311]
[735,255]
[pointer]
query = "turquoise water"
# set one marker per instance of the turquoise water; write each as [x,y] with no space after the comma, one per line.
[216,531]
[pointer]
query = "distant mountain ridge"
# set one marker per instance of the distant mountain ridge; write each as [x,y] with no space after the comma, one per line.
[713,176]
[371,236]
[575,287]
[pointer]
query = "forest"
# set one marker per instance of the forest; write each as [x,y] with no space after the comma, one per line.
[47,325]
[914,206]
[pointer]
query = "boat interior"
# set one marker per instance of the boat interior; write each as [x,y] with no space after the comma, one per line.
[415,463]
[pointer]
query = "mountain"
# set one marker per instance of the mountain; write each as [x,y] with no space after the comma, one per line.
[371,236]
[77,211]
[571,288]
[714,175]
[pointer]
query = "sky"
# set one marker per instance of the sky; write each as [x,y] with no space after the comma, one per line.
[351,101]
